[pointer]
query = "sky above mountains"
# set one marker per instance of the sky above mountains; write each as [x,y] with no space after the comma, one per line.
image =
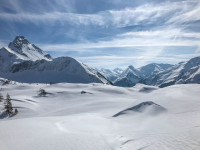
[106,33]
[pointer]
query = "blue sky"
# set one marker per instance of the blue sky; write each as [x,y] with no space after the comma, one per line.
[106,33]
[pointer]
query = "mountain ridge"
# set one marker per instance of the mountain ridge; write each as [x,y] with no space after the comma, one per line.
[24,62]
[161,75]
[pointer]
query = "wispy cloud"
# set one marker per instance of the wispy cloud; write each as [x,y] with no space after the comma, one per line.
[151,45]
[165,37]
[2,43]
[149,28]
[137,61]
[183,11]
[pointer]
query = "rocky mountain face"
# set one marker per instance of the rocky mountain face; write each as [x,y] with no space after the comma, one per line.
[24,62]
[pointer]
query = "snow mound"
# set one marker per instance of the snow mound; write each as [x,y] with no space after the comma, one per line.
[147,107]
[147,89]
[70,120]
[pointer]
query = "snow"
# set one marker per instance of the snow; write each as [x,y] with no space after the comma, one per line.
[153,68]
[161,75]
[20,50]
[66,119]
[21,47]
[111,75]
[62,69]
[197,72]
[182,73]
[18,56]
[24,62]
[131,76]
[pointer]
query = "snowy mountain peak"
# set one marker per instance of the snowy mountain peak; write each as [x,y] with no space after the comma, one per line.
[192,63]
[153,68]
[23,49]
[129,77]
[18,42]
[24,62]
[118,70]
[131,67]
[131,70]
[132,76]
[182,73]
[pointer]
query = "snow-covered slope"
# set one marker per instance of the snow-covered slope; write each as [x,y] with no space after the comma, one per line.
[161,75]
[182,73]
[111,75]
[19,50]
[24,62]
[62,69]
[132,76]
[129,77]
[153,68]
[66,119]
[22,48]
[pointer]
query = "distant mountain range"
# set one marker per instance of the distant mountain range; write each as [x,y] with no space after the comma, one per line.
[24,62]
[161,75]
[132,76]
[111,75]
[182,73]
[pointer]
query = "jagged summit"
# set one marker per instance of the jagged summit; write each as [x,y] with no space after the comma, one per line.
[129,77]
[18,42]
[131,67]
[23,49]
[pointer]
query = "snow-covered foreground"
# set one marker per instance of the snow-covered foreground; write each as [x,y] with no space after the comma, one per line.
[67,120]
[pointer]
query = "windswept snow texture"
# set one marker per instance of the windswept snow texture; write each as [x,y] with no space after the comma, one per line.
[66,119]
